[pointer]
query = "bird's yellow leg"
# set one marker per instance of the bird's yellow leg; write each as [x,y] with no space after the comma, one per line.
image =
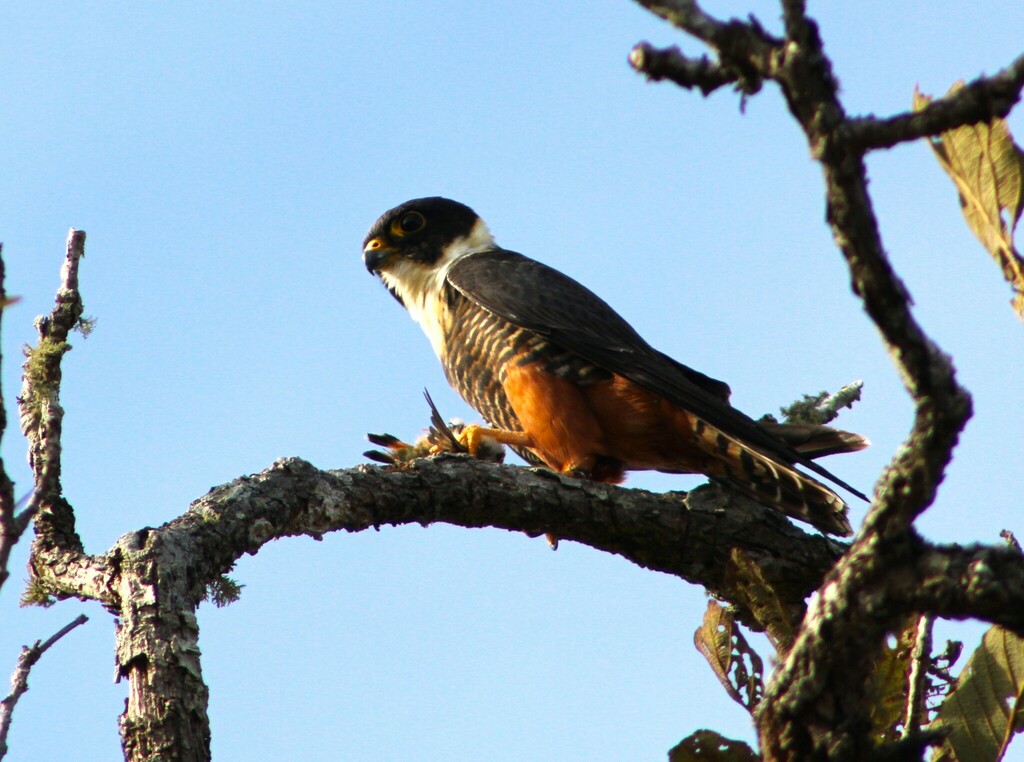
[472,438]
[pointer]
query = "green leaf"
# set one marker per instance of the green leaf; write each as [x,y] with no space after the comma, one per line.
[888,684]
[987,707]
[756,594]
[709,746]
[735,663]
[987,168]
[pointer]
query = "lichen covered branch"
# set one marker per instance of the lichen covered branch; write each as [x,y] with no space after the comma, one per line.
[39,404]
[687,535]
[58,562]
[817,706]
[672,64]
[160,575]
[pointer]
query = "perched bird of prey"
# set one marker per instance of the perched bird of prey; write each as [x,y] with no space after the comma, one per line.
[567,383]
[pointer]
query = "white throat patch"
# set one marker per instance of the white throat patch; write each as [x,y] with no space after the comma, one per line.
[420,286]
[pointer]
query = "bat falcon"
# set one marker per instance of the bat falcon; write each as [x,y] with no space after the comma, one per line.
[567,383]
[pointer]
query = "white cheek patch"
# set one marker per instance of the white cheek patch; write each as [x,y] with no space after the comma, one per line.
[420,286]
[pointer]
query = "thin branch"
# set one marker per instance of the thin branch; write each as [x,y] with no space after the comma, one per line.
[671,64]
[686,15]
[19,680]
[39,404]
[980,101]
[1011,540]
[746,52]
[973,582]
[917,681]
[42,416]
[10,527]
[795,21]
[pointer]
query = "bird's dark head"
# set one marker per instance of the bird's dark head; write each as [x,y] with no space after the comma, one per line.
[423,234]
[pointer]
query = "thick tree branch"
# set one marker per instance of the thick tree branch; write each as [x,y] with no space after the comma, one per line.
[42,416]
[19,680]
[815,702]
[816,705]
[165,572]
[160,575]
[687,535]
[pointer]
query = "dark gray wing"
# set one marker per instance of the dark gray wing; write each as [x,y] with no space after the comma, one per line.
[539,298]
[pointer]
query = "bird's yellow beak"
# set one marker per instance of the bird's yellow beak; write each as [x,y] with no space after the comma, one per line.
[376,255]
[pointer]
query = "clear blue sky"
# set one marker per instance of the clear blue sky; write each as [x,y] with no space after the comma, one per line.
[226,161]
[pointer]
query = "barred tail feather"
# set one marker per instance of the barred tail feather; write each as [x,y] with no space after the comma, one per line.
[771,482]
[816,440]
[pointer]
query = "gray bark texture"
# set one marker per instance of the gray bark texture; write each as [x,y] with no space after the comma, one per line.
[154,579]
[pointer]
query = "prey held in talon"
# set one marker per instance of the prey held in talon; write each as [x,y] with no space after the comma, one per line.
[567,383]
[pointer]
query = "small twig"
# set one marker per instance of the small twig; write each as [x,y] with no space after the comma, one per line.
[821,408]
[920,662]
[1011,540]
[747,54]
[671,64]
[829,407]
[19,680]
[686,15]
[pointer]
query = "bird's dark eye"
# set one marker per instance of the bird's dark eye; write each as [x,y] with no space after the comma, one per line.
[410,222]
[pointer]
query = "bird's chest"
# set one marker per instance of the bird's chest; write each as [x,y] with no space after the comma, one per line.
[472,344]
[477,348]
[427,297]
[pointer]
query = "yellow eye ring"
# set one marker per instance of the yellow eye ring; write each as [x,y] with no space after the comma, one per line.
[410,222]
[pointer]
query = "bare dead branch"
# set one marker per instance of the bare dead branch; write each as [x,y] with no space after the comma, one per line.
[158,576]
[816,705]
[689,535]
[42,418]
[686,15]
[746,52]
[39,404]
[980,101]
[19,680]
[671,64]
